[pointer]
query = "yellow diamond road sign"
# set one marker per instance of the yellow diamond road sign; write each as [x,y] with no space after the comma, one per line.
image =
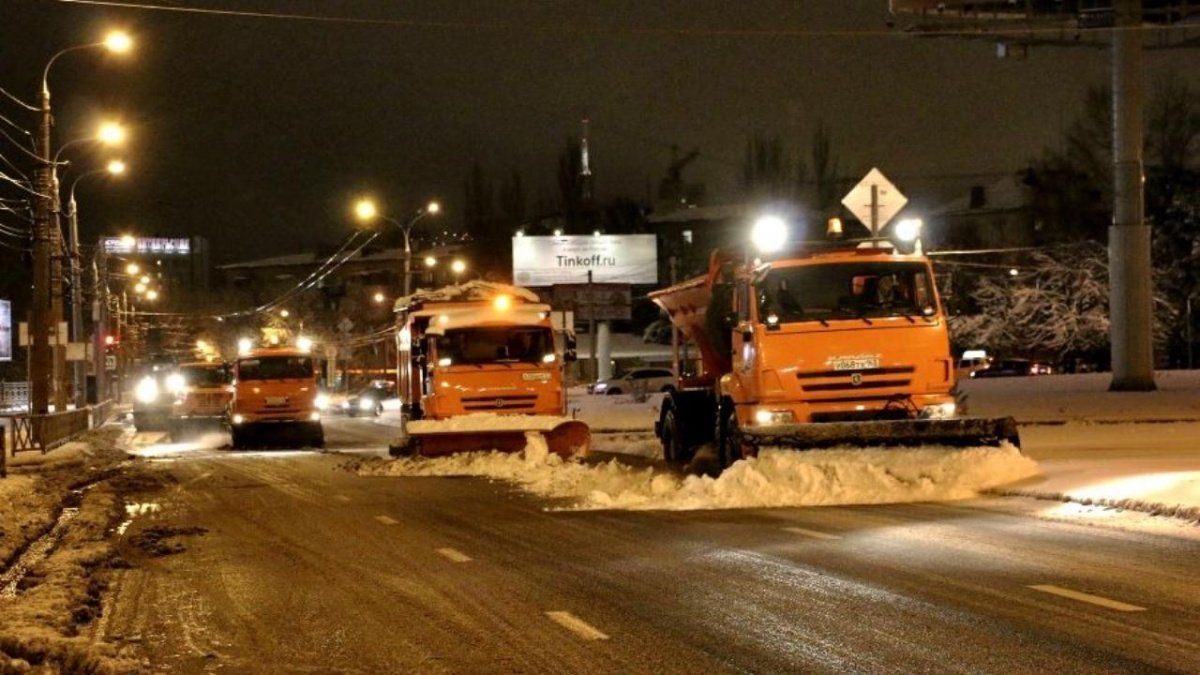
[874,201]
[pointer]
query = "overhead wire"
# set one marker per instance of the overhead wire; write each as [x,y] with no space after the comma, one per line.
[18,101]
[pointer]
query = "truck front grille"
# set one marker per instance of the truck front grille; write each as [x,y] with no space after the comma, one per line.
[517,402]
[846,381]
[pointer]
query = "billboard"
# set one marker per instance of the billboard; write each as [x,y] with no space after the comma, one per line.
[147,245]
[602,302]
[612,258]
[6,331]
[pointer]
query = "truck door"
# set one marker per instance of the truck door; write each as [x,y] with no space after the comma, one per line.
[745,350]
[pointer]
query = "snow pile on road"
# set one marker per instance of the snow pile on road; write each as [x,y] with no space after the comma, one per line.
[775,478]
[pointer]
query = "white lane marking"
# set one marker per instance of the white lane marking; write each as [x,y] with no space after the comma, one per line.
[386,521]
[454,555]
[811,533]
[342,498]
[576,625]
[1087,597]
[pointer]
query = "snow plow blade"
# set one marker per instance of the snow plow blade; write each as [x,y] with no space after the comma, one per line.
[959,433]
[431,438]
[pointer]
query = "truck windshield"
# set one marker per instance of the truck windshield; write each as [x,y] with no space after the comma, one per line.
[202,376]
[845,291]
[494,345]
[276,368]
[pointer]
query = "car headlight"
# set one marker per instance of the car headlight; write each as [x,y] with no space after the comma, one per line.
[321,401]
[366,404]
[146,390]
[772,417]
[599,386]
[175,383]
[939,411]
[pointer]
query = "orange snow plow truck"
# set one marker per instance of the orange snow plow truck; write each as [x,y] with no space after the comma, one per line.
[478,370]
[275,399]
[835,345]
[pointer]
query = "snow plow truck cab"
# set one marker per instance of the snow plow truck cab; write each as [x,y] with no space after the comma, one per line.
[275,399]
[479,370]
[202,401]
[834,346]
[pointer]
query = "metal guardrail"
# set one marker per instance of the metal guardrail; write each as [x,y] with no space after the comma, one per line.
[34,433]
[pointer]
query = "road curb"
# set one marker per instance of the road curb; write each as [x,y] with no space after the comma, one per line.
[1191,514]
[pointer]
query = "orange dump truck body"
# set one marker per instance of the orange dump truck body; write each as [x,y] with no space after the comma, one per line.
[854,337]
[207,391]
[487,351]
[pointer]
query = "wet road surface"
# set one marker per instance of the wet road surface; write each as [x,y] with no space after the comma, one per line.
[308,567]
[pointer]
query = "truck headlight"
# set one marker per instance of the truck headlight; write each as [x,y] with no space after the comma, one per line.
[939,411]
[314,416]
[175,383]
[366,404]
[146,390]
[237,418]
[321,401]
[772,417]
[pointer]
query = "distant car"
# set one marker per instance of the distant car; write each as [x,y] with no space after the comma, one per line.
[1014,368]
[649,380]
[370,399]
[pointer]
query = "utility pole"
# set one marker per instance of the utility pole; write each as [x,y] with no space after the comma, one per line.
[40,315]
[1130,299]
[100,323]
[78,368]
[408,260]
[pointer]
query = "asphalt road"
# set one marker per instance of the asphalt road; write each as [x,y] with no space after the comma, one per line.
[308,567]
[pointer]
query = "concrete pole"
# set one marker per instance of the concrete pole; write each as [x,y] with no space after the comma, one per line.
[591,305]
[407,262]
[62,376]
[603,350]
[100,324]
[40,316]
[1130,296]
[79,368]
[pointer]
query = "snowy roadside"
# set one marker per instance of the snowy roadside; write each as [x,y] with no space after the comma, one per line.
[1084,398]
[1149,468]
[56,512]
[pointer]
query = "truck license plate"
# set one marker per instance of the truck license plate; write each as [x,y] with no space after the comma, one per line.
[276,400]
[854,363]
[536,377]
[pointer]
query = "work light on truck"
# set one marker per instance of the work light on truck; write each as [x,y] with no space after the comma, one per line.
[146,390]
[769,234]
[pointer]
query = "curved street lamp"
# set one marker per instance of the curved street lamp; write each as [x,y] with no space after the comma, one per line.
[366,210]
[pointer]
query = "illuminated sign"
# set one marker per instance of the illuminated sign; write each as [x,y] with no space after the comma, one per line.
[166,246]
[611,258]
[6,336]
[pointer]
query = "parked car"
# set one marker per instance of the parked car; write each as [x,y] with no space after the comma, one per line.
[651,380]
[1014,368]
[370,399]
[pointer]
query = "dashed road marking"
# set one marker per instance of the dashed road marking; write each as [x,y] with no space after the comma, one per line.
[811,533]
[1097,600]
[454,555]
[576,625]
[342,498]
[387,521]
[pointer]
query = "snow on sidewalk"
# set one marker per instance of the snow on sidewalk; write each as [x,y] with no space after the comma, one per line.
[775,478]
[1151,468]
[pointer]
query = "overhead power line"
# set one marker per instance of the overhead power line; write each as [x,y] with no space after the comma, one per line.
[577,28]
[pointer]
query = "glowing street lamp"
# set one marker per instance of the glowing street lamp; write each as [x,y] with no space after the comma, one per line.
[379,298]
[284,313]
[132,269]
[139,288]
[430,261]
[365,210]
[118,42]
[111,133]
[458,267]
[128,241]
[115,167]
[151,295]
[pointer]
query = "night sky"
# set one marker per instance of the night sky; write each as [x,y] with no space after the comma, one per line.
[257,132]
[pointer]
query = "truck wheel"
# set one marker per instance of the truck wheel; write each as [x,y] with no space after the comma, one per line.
[615,391]
[675,451]
[237,437]
[730,441]
[317,437]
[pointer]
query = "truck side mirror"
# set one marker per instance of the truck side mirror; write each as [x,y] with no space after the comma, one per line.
[569,345]
[569,356]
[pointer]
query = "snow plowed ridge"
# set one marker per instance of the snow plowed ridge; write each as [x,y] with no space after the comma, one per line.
[775,478]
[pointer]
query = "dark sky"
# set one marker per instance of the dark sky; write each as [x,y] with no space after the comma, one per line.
[257,132]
